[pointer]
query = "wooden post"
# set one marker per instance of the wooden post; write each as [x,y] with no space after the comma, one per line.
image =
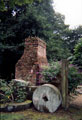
[64,83]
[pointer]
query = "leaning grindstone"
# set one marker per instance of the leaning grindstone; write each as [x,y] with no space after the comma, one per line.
[47,98]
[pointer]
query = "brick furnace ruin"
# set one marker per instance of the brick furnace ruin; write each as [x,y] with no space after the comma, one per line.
[33,58]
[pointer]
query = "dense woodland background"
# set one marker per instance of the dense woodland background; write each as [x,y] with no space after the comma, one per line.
[38,18]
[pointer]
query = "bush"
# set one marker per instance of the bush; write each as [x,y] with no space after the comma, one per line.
[5,92]
[74,78]
[12,92]
[78,54]
[54,70]
[50,72]
[19,91]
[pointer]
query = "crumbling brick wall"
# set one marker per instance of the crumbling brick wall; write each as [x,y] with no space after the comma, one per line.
[33,58]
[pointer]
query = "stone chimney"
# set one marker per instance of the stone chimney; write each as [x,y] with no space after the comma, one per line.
[33,58]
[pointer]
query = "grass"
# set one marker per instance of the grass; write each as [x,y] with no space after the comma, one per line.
[32,114]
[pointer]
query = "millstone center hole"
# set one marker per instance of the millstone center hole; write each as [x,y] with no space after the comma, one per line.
[45,98]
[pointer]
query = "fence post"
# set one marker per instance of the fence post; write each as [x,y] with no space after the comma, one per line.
[64,83]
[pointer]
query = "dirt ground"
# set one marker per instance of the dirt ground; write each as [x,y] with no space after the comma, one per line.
[77,101]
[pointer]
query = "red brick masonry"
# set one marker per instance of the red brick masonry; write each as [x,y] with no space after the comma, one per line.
[33,58]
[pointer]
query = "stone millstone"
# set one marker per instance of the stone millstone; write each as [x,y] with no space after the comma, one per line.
[47,98]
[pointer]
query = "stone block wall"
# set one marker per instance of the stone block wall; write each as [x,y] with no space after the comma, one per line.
[33,58]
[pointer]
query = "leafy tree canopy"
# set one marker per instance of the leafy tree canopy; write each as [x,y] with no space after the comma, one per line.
[72,37]
[36,19]
[78,54]
[8,4]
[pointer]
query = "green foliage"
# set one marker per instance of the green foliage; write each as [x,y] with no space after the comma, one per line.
[12,92]
[54,70]
[36,19]
[71,37]
[74,78]
[19,92]
[56,49]
[8,4]
[78,54]
[51,72]
[5,92]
